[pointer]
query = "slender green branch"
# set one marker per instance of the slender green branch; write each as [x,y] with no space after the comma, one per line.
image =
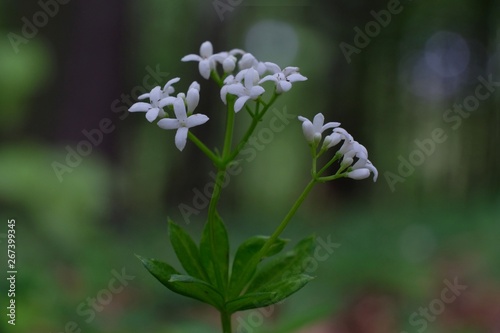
[228,139]
[216,77]
[287,219]
[252,264]
[327,165]
[210,154]
[333,177]
[253,125]
[221,171]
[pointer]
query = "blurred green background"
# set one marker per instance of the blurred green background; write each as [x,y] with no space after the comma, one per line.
[399,239]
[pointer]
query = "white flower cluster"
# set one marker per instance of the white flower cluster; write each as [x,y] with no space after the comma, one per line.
[243,77]
[350,149]
[183,106]
[245,84]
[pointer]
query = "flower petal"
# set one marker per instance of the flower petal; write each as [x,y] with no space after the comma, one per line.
[155,94]
[272,67]
[192,100]
[331,124]
[196,120]
[269,78]
[240,102]
[204,67]
[359,174]
[308,129]
[140,107]
[236,89]
[283,86]
[168,89]
[206,49]
[296,77]
[152,114]
[166,101]
[180,109]
[318,122]
[181,138]
[192,57]
[169,123]
[256,92]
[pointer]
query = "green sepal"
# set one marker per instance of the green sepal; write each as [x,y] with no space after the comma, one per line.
[269,294]
[221,247]
[288,264]
[240,276]
[183,284]
[187,251]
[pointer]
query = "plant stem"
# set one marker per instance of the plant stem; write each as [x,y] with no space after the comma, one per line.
[252,264]
[287,218]
[219,180]
[226,322]
[251,129]
[210,154]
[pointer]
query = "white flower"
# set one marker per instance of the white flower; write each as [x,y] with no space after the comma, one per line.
[228,81]
[227,59]
[362,169]
[191,100]
[245,91]
[350,150]
[166,91]
[337,135]
[249,61]
[183,122]
[205,59]
[154,108]
[313,130]
[282,78]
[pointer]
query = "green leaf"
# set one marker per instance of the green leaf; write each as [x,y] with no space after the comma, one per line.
[183,284]
[218,265]
[187,251]
[269,294]
[240,276]
[250,301]
[288,264]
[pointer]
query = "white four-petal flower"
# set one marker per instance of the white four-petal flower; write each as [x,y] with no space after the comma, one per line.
[154,108]
[245,91]
[313,130]
[282,78]
[205,59]
[183,122]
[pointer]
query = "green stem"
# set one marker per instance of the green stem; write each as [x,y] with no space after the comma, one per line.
[252,264]
[210,154]
[253,125]
[215,76]
[327,165]
[226,322]
[228,139]
[221,171]
[287,219]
